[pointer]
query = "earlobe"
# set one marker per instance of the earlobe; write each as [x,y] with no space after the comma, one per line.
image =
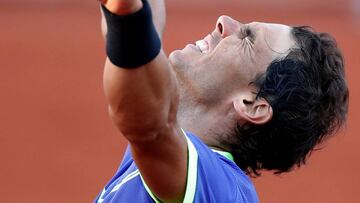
[255,110]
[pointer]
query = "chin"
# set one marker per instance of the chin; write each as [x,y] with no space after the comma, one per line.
[173,55]
[177,60]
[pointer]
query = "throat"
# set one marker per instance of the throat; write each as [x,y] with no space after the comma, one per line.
[212,126]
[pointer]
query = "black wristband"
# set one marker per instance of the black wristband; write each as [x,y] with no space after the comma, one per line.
[131,40]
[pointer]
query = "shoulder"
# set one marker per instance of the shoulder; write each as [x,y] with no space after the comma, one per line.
[218,179]
[211,178]
[126,185]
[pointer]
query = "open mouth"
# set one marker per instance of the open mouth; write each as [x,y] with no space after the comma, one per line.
[202,45]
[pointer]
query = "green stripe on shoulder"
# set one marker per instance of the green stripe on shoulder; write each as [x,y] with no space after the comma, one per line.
[228,155]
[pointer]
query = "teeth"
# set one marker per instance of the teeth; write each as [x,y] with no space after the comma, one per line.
[203,46]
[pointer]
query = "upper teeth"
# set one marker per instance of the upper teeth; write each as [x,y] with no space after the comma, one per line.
[203,46]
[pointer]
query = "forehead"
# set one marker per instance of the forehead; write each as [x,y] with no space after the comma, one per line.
[277,37]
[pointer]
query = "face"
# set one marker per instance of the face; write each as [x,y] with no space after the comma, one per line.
[227,60]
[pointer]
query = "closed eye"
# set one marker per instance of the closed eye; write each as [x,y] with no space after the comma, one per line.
[248,33]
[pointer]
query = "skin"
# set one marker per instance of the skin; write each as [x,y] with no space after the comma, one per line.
[214,85]
[203,93]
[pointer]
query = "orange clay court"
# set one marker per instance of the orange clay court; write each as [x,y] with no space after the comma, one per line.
[57,143]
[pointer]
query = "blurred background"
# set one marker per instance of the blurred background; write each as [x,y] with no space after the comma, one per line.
[57,143]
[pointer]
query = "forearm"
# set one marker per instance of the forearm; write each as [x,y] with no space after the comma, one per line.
[141,99]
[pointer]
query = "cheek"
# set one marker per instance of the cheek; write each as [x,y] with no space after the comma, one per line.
[216,77]
[227,62]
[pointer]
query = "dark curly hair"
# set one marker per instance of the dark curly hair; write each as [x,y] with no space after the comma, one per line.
[309,97]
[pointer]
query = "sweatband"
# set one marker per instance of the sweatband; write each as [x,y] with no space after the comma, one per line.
[131,40]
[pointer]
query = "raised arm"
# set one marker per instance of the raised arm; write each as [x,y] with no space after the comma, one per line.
[143,105]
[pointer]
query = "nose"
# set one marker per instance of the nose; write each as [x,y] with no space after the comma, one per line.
[226,26]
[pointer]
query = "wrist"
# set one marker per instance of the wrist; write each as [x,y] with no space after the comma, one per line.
[123,7]
[131,40]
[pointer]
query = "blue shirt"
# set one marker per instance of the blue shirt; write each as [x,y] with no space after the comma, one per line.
[212,177]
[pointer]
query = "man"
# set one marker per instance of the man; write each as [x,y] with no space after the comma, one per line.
[246,98]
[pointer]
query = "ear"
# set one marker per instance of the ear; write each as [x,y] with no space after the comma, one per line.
[251,109]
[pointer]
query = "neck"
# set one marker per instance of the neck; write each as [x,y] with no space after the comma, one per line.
[210,124]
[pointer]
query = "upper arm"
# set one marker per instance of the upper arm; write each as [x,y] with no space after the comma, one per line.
[143,105]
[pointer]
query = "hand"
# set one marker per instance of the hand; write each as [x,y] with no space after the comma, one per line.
[122,7]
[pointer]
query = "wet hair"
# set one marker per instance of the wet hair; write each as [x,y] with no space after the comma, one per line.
[309,97]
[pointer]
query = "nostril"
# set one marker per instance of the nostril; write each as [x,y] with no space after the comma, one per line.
[220,27]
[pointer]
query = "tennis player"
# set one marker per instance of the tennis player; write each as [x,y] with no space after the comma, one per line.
[245,98]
